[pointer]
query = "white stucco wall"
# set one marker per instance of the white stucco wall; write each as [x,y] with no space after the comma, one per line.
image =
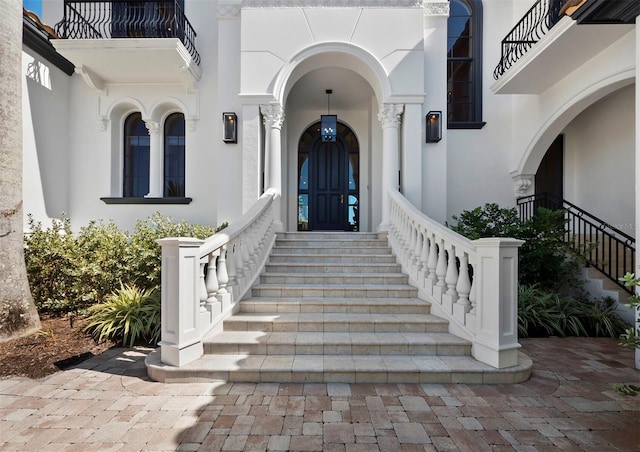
[478,161]
[599,149]
[253,54]
[45,138]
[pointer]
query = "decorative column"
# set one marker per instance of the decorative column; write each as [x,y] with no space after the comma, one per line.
[155,160]
[273,116]
[389,116]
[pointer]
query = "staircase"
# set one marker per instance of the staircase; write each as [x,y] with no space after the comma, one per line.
[335,307]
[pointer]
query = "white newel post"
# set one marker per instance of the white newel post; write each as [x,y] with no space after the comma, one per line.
[273,116]
[155,160]
[390,117]
[496,313]
[181,307]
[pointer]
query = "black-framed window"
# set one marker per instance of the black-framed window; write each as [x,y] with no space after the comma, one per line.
[174,147]
[136,157]
[464,65]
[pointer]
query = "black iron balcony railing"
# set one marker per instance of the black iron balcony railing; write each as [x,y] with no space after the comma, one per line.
[608,249]
[542,16]
[99,19]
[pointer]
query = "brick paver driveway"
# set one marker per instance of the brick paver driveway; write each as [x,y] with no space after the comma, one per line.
[108,403]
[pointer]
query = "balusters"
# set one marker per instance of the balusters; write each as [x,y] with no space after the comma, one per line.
[411,251]
[472,296]
[203,286]
[441,267]
[246,267]
[223,275]
[451,278]
[212,285]
[464,283]
[432,262]
[418,252]
[231,268]
[424,257]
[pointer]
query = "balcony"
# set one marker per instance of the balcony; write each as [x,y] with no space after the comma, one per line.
[118,41]
[553,39]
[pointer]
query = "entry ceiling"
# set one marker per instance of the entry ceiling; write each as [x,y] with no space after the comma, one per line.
[350,91]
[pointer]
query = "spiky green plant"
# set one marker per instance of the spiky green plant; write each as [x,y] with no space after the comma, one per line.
[541,312]
[128,315]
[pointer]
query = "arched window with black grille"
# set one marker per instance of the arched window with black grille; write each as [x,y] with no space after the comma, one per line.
[464,65]
[136,157]
[174,156]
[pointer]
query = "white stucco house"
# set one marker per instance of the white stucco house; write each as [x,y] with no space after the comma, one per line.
[378,116]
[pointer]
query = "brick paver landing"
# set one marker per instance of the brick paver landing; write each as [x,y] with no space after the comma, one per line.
[108,403]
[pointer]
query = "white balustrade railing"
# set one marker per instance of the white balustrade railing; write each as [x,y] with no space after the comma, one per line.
[473,284]
[203,280]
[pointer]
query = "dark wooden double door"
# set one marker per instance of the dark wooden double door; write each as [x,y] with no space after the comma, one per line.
[328,194]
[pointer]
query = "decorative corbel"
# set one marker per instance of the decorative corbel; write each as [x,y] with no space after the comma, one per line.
[190,77]
[192,123]
[92,79]
[524,184]
[103,123]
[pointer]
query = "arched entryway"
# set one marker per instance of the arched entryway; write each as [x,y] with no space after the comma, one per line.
[328,181]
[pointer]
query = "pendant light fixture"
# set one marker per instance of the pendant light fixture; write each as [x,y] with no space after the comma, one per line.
[329,122]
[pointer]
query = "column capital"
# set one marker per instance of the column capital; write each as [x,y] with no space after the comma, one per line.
[152,126]
[389,115]
[273,115]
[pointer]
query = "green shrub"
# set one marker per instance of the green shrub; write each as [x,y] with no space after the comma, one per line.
[545,259]
[70,272]
[130,315]
[52,265]
[144,252]
[488,221]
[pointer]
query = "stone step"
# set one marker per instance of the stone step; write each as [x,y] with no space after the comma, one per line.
[332,250]
[354,279]
[311,267]
[336,343]
[338,369]
[346,305]
[328,236]
[337,243]
[335,322]
[335,259]
[333,291]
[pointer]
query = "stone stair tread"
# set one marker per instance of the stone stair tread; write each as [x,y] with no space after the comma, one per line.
[341,368]
[307,338]
[334,286]
[346,301]
[334,317]
[341,275]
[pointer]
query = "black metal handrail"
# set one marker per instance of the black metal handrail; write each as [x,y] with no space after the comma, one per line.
[542,16]
[606,248]
[100,19]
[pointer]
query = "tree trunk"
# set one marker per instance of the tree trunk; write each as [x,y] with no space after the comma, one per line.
[18,315]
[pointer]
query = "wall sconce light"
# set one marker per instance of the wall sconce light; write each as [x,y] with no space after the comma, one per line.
[434,126]
[229,127]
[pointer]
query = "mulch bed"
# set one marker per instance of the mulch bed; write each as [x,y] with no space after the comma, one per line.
[58,345]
